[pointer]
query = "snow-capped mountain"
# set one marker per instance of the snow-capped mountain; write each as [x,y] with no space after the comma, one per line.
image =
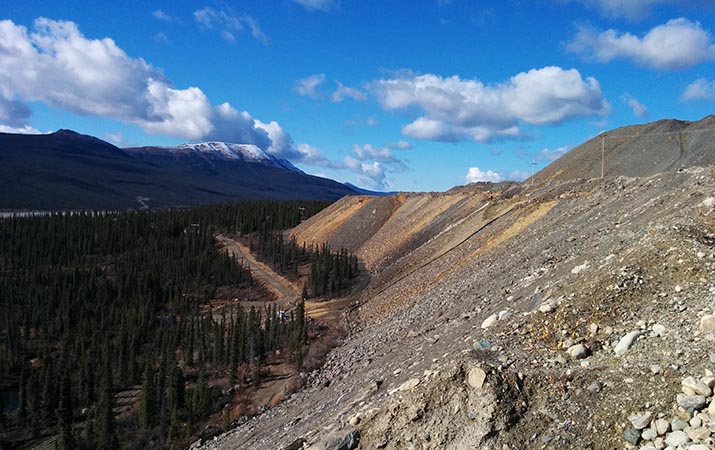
[68,170]
[217,152]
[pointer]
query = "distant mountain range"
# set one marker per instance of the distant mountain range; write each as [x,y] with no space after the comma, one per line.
[68,170]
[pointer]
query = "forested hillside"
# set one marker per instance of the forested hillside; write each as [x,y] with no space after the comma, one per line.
[97,306]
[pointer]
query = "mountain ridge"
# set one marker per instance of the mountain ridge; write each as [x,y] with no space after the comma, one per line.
[69,170]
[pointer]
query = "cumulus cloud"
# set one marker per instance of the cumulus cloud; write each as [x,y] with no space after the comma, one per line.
[475,175]
[316,5]
[677,44]
[700,89]
[228,23]
[372,165]
[638,108]
[55,64]
[308,86]
[26,129]
[454,109]
[370,174]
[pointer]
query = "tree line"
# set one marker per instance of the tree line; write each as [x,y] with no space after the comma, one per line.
[94,304]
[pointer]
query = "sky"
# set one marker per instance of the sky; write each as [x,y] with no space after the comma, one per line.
[388,95]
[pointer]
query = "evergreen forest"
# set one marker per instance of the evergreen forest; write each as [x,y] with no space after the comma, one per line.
[107,337]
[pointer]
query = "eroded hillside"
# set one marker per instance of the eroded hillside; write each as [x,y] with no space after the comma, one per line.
[492,314]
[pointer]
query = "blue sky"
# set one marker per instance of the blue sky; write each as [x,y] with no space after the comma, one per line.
[414,96]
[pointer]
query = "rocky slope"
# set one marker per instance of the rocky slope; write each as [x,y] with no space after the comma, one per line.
[563,315]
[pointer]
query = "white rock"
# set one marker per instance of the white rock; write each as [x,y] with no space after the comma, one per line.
[711,408]
[699,447]
[691,386]
[476,377]
[649,434]
[489,321]
[625,343]
[707,323]
[409,384]
[690,401]
[504,315]
[641,420]
[698,434]
[709,202]
[661,426]
[658,330]
[578,269]
[577,351]
[676,438]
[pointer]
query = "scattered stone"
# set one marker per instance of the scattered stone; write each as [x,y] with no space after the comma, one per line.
[482,344]
[626,342]
[696,402]
[641,420]
[409,384]
[707,323]
[489,321]
[631,435]
[348,441]
[577,351]
[678,424]
[676,438]
[355,420]
[698,434]
[476,377]
[709,202]
[504,315]
[547,306]
[658,330]
[661,426]
[649,434]
[595,387]
[699,447]
[578,269]
[655,369]
[691,386]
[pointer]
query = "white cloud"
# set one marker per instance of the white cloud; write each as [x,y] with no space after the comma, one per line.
[26,129]
[475,175]
[700,89]
[400,145]
[116,138]
[370,174]
[627,9]
[316,5]
[677,44]
[228,23]
[308,86]
[455,109]
[344,91]
[372,122]
[638,108]
[551,155]
[161,38]
[55,64]
[164,17]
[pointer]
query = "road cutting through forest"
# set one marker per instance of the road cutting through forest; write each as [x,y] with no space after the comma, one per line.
[287,293]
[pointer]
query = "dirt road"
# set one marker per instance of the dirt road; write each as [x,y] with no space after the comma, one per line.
[286,294]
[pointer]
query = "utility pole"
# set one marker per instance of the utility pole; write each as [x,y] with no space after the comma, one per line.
[603,154]
[533,165]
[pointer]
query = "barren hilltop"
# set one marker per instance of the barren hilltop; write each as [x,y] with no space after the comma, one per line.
[571,312]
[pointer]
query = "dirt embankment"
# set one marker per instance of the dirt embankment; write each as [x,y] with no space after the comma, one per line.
[534,287]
